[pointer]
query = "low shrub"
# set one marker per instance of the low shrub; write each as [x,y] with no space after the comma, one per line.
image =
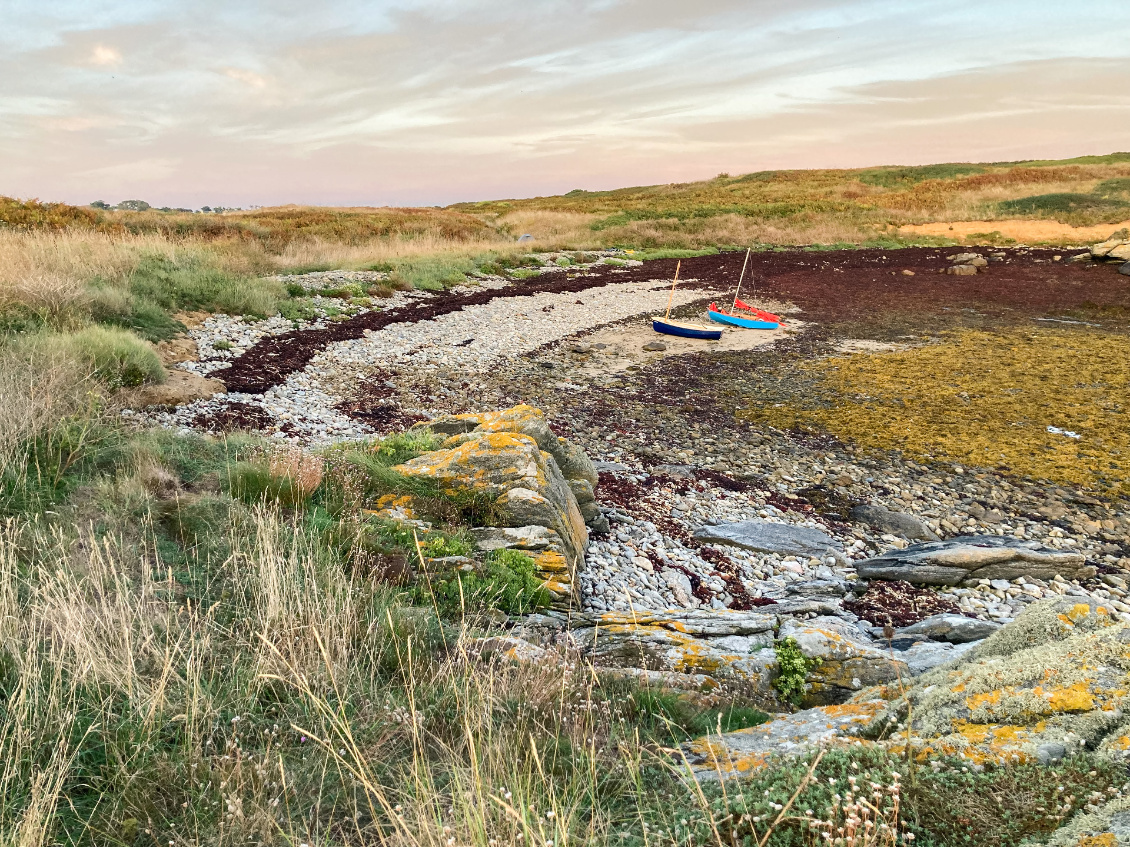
[669,717]
[792,670]
[189,280]
[405,446]
[1068,207]
[254,482]
[343,292]
[507,581]
[298,309]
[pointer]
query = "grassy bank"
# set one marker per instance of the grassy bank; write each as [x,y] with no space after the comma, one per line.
[827,206]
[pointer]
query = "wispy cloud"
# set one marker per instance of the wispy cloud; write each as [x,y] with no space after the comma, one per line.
[104,56]
[426,101]
[249,78]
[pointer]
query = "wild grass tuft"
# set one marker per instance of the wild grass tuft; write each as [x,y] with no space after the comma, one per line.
[116,357]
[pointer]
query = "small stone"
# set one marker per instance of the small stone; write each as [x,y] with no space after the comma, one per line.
[1125,269]
[962,270]
[655,346]
[1051,753]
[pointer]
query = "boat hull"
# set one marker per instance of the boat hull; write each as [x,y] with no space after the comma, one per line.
[744,323]
[686,330]
[758,313]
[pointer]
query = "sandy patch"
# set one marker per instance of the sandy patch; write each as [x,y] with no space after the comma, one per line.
[624,344]
[1021,230]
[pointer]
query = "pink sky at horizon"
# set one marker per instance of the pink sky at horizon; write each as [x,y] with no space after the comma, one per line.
[429,102]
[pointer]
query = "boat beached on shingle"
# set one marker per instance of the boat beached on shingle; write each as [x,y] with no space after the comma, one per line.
[682,329]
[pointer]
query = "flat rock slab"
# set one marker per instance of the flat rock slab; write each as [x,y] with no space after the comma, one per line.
[952,629]
[768,537]
[927,655]
[737,754]
[968,558]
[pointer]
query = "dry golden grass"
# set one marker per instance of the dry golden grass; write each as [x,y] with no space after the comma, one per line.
[818,206]
[48,272]
[38,387]
[319,251]
[984,399]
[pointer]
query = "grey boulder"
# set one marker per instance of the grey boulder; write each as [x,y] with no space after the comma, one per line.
[767,537]
[896,523]
[927,655]
[954,629]
[1125,269]
[968,558]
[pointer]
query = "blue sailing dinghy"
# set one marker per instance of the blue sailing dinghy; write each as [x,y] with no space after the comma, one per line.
[685,330]
[682,329]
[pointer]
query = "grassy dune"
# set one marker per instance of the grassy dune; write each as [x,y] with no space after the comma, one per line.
[829,206]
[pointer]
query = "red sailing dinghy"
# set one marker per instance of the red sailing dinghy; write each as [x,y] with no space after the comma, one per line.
[741,313]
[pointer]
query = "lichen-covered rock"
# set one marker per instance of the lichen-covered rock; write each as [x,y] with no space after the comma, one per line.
[968,558]
[1107,826]
[574,465]
[523,538]
[525,484]
[722,647]
[737,754]
[1055,678]
[848,660]
[1047,686]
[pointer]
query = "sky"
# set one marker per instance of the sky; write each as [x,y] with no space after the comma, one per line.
[429,102]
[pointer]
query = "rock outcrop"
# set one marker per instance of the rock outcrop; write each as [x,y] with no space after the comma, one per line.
[847,660]
[532,479]
[1115,247]
[181,387]
[1046,686]
[896,523]
[968,558]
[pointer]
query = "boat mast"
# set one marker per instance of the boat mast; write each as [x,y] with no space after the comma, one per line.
[671,296]
[742,277]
